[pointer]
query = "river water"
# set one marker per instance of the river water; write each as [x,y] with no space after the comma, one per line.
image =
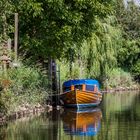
[117,118]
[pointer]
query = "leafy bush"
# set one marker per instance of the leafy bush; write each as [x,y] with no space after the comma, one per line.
[118,78]
[22,85]
[136,70]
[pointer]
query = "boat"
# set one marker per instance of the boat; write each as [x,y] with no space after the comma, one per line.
[81,93]
[82,122]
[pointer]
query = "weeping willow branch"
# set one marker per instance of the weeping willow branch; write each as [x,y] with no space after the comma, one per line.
[100,50]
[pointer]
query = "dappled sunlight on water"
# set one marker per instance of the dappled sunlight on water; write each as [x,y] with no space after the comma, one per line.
[117,118]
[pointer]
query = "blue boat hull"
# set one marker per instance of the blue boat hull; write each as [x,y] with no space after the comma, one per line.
[83,105]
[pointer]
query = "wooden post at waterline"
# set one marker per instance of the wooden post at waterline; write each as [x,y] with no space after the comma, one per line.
[58,83]
[53,82]
[50,78]
[16,37]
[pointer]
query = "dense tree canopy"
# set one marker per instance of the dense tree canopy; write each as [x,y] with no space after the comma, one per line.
[55,28]
[49,27]
[129,53]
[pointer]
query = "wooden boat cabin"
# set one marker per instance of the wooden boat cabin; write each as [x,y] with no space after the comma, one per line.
[81,92]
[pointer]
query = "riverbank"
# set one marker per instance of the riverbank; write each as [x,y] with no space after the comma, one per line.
[25,111]
[121,89]
[28,109]
[22,91]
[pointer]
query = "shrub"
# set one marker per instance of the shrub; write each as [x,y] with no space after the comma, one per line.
[118,78]
[21,85]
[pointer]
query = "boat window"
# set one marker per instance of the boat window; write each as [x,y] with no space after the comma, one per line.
[66,89]
[89,87]
[78,87]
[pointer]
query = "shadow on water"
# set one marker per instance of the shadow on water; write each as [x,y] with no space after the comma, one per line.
[118,118]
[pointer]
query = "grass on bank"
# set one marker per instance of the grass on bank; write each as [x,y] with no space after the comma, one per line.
[21,86]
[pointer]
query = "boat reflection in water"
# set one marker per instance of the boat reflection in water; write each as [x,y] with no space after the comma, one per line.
[85,122]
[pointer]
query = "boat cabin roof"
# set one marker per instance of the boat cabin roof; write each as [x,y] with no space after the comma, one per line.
[80,82]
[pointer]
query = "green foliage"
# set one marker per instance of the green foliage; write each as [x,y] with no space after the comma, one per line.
[24,78]
[48,27]
[129,19]
[117,78]
[3,105]
[128,57]
[78,70]
[86,32]
[98,56]
[100,50]
[6,10]
[129,53]
[22,86]
[136,70]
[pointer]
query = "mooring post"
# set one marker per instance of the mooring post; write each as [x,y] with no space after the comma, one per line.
[50,78]
[59,84]
[54,83]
